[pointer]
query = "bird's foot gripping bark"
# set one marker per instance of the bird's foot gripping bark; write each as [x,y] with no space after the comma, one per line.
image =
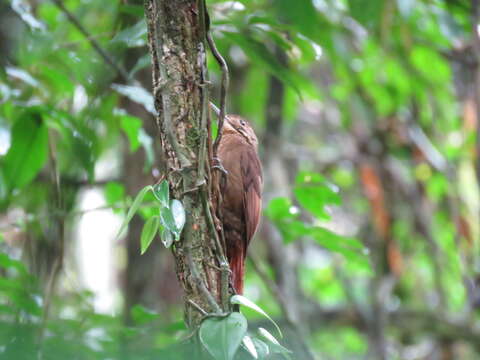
[217,164]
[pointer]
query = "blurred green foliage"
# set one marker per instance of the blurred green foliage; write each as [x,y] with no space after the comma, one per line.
[378,98]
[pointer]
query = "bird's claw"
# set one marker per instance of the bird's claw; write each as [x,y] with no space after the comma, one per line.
[218,165]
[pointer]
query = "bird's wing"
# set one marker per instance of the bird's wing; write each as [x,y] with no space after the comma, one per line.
[252,187]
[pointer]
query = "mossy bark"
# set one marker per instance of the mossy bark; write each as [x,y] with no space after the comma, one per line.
[176,32]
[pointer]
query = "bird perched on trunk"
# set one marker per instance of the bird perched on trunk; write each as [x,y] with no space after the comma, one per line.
[242,192]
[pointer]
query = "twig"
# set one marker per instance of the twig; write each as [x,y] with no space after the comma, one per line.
[223,90]
[196,306]
[108,59]
[220,253]
[202,156]
[219,245]
[200,284]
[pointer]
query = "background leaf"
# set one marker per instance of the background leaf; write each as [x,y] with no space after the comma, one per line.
[28,151]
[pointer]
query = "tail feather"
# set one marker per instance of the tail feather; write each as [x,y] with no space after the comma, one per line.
[236,246]
[237,265]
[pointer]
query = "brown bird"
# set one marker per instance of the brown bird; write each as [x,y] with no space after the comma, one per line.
[242,192]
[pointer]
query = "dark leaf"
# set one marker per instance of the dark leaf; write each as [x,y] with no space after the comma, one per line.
[222,336]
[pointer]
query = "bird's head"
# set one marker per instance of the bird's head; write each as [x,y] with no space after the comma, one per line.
[237,124]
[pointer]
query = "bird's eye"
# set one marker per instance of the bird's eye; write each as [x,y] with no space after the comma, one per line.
[243,123]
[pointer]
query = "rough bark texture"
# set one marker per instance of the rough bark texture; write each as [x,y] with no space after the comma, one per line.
[176,40]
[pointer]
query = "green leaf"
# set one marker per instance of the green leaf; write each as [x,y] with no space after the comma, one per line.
[22,75]
[3,187]
[143,62]
[162,193]
[147,144]
[167,219]
[352,249]
[178,213]
[250,346]
[133,209]
[302,15]
[137,94]
[274,344]
[56,80]
[78,143]
[366,12]
[173,218]
[438,70]
[133,36]
[148,233]
[167,238]
[242,300]
[114,193]
[280,208]
[293,230]
[313,193]
[325,236]
[259,53]
[142,315]
[131,125]
[6,262]
[24,11]
[222,336]
[136,10]
[262,349]
[28,151]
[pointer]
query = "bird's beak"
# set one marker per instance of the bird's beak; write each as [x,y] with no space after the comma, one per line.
[215,109]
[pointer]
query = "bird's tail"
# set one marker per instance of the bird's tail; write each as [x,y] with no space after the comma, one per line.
[237,265]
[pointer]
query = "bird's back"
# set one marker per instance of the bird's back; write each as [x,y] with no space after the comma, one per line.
[241,206]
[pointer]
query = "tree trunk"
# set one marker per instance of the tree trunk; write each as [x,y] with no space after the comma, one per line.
[176,30]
